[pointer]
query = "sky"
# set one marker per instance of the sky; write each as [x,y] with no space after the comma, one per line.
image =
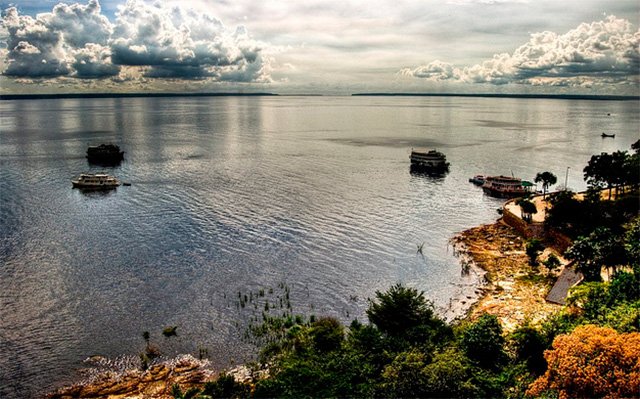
[321,46]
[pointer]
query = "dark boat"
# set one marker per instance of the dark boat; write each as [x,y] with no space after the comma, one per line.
[478,180]
[105,154]
[603,135]
[430,161]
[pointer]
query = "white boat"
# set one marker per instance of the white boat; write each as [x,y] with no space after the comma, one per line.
[97,181]
[506,187]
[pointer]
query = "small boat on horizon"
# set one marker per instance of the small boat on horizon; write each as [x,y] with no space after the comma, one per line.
[97,181]
[603,135]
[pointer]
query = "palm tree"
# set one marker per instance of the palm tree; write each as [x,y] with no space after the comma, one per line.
[547,179]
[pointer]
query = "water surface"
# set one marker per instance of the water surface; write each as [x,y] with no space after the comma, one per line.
[238,194]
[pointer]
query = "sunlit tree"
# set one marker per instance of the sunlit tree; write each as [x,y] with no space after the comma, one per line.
[591,362]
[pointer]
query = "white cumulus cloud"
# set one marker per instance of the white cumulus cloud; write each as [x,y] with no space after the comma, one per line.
[603,51]
[163,41]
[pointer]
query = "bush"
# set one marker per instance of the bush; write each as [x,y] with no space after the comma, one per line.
[327,334]
[483,342]
[404,313]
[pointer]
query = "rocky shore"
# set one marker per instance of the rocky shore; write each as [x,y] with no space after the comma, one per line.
[106,380]
[512,290]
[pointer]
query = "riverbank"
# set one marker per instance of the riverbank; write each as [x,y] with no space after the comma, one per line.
[512,290]
[498,280]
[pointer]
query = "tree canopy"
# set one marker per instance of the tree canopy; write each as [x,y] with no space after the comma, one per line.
[592,362]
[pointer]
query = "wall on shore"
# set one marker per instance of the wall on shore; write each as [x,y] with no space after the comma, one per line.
[554,238]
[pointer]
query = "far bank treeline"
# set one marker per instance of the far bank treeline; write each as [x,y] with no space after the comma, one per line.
[588,349]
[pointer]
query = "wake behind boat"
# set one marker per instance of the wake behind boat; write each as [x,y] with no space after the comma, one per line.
[97,181]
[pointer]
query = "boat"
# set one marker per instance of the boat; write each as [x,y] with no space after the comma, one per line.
[478,179]
[506,187]
[97,181]
[428,161]
[603,135]
[105,153]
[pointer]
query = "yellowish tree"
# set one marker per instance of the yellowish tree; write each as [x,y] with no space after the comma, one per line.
[592,362]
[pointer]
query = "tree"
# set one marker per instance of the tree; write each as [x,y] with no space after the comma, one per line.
[591,362]
[529,345]
[547,179]
[600,172]
[551,263]
[565,211]
[327,334]
[618,170]
[598,249]
[527,208]
[483,342]
[403,312]
[533,249]
[412,375]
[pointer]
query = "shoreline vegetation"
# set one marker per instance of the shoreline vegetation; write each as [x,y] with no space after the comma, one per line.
[509,343]
[596,97]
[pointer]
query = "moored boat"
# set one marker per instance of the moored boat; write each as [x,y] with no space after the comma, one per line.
[478,179]
[603,135]
[105,153]
[428,161]
[97,181]
[506,187]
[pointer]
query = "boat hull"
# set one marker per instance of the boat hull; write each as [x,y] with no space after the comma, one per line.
[503,194]
[94,186]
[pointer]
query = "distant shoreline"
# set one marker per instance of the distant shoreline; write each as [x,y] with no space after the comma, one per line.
[124,95]
[494,95]
[595,97]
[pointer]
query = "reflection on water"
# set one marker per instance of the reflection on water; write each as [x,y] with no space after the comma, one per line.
[235,194]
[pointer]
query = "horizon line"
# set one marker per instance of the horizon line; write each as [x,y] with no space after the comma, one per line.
[600,97]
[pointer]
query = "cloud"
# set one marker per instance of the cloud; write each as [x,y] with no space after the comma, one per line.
[604,51]
[164,42]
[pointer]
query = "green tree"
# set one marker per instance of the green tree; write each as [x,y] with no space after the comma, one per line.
[533,248]
[598,249]
[483,342]
[600,171]
[527,208]
[327,334]
[547,179]
[619,161]
[225,386]
[404,313]
[528,344]
[413,374]
[551,263]
[565,211]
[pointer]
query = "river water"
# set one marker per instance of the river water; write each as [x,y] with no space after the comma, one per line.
[305,198]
